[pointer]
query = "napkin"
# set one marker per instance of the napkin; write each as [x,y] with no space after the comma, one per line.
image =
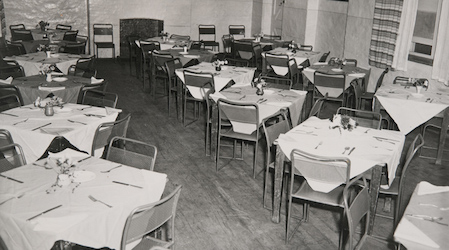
[411,233]
[51,89]
[7,80]
[94,80]
[357,75]
[66,153]
[320,63]
[427,188]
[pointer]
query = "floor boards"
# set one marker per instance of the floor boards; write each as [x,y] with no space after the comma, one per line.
[223,210]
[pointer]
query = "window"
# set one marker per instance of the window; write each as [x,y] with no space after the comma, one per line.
[425,32]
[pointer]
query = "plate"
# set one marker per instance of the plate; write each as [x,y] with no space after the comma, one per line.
[183,53]
[83,176]
[60,79]
[337,70]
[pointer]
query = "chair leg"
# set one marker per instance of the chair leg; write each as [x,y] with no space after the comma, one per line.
[255,159]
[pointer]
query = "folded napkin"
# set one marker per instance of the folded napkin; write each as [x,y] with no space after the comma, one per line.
[7,80]
[427,188]
[51,88]
[407,231]
[94,80]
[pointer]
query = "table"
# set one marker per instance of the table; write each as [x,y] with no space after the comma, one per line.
[300,56]
[200,55]
[79,219]
[414,231]
[70,122]
[39,34]
[31,87]
[33,63]
[373,149]
[167,43]
[265,43]
[409,109]
[350,71]
[32,46]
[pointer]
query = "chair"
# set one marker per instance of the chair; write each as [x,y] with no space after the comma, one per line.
[104,38]
[22,35]
[329,82]
[70,35]
[276,82]
[207,35]
[15,48]
[160,71]
[133,51]
[369,96]
[9,89]
[282,67]
[429,151]
[171,66]
[73,48]
[5,138]
[248,52]
[317,107]
[145,57]
[273,126]
[84,40]
[180,37]
[132,153]
[108,130]
[10,69]
[397,186]
[237,31]
[305,47]
[9,102]
[321,169]
[17,27]
[324,56]
[275,37]
[63,27]
[368,119]
[11,156]
[144,220]
[85,67]
[98,98]
[246,113]
[197,45]
[351,62]
[227,41]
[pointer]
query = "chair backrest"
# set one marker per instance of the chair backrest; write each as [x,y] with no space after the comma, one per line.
[86,67]
[5,138]
[323,57]
[238,31]
[171,66]
[352,62]
[273,126]
[9,102]
[108,130]
[205,81]
[243,50]
[98,98]
[381,79]
[11,156]
[276,37]
[9,89]
[23,35]
[70,35]
[364,118]
[305,47]
[73,48]
[11,71]
[281,64]
[227,40]
[159,59]
[103,33]
[276,82]
[197,45]
[15,48]
[329,81]
[317,106]
[206,32]
[147,218]
[132,153]
[63,27]
[246,113]
[321,169]
[146,47]
[17,27]
[180,37]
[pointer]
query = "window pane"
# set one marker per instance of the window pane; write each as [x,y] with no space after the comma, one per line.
[426,18]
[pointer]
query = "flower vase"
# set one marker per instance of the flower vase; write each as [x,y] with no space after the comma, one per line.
[49,111]
[418,89]
[48,78]
[48,53]
[259,91]
[218,67]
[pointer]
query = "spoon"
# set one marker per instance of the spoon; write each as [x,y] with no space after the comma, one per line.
[346,149]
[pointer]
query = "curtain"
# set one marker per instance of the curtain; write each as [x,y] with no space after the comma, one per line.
[2,19]
[440,69]
[387,16]
[405,34]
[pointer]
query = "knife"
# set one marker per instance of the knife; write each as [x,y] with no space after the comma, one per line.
[46,211]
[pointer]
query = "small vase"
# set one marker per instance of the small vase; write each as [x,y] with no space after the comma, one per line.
[48,78]
[218,68]
[259,91]
[49,110]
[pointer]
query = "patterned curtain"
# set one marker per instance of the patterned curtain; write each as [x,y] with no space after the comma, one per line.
[387,16]
[2,18]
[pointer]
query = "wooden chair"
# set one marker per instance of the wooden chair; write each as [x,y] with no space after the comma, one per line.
[241,112]
[132,153]
[108,130]
[368,119]
[11,156]
[171,66]
[104,37]
[99,98]
[248,52]
[143,222]
[63,27]
[206,34]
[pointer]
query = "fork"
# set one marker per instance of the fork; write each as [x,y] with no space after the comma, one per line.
[18,197]
[76,122]
[95,200]
[109,170]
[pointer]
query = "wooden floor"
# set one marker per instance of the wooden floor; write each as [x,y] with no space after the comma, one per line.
[223,210]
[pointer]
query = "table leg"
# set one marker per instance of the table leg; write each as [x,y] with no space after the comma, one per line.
[376,173]
[213,129]
[278,179]
[179,97]
[442,138]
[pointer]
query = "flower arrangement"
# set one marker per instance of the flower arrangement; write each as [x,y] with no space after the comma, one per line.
[164,34]
[45,69]
[343,122]
[337,61]
[53,101]
[219,63]
[43,47]
[421,82]
[43,25]
[65,168]
[258,35]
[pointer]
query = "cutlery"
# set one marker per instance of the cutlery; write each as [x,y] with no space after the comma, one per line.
[428,218]
[41,126]
[18,197]
[85,108]
[46,211]
[9,114]
[109,170]
[242,97]
[76,122]
[346,149]
[9,178]
[21,121]
[352,149]
[85,158]
[126,184]
[366,132]
[99,116]
[432,205]
[95,200]
[319,144]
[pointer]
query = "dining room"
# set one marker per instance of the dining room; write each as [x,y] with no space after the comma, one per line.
[147,86]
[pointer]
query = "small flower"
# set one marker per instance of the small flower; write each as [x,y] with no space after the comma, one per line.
[422,82]
[343,122]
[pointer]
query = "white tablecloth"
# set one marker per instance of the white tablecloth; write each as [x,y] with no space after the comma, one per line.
[33,63]
[35,143]
[79,219]
[242,76]
[408,108]
[368,151]
[300,56]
